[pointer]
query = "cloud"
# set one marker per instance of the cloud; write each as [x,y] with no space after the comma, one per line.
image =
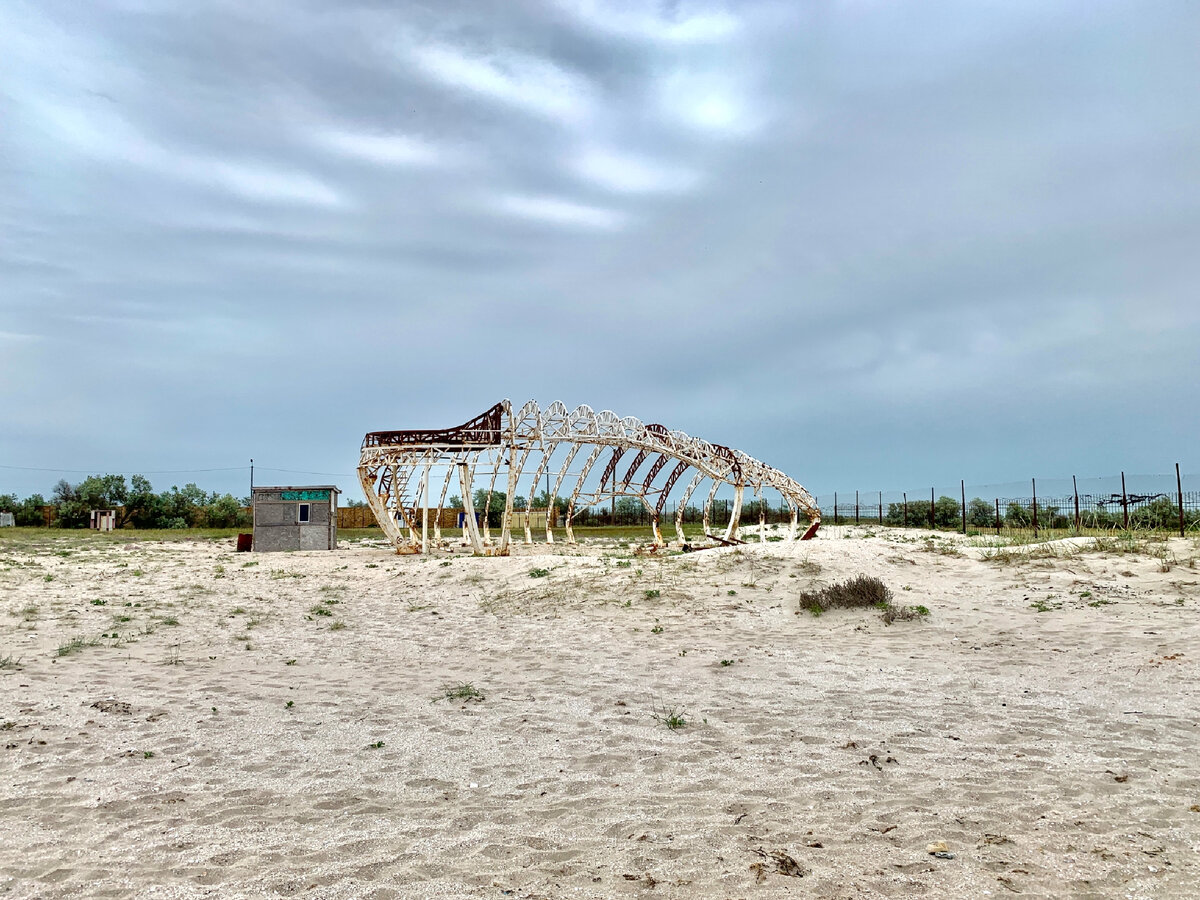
[515,79]
[934,220]
[632,174]
[677,23]
[558,211]
[100,133]
[710,101]
[257,181]
[384,149]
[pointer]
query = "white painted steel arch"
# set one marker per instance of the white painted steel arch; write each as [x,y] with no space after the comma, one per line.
[497,445]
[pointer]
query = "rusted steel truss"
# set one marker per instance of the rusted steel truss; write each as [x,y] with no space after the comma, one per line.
[534,449]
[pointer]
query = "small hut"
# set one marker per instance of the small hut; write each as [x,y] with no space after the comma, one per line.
[295,518]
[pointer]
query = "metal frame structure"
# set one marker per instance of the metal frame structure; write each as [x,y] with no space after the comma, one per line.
[395,468]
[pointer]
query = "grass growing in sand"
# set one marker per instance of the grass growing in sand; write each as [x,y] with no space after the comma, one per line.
[860,592]
[674,717]
[74,645]
[464,691]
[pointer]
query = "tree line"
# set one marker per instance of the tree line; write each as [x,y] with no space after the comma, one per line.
[1160,513]
[135,501]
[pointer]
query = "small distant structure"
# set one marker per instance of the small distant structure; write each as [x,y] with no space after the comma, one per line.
[7,520]
[103,520]
[295,518]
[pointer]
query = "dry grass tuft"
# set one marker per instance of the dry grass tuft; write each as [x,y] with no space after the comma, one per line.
[859,591]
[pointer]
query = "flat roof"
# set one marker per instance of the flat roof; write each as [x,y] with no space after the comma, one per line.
[301,487]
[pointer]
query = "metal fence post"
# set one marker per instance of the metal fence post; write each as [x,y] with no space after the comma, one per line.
[1075,485]
[1035,522]
[1179,493]
[835,515]
[963,484]
[1124,501]
[997,517]
[906,510]
[881,508]
[932,521]
[856,507]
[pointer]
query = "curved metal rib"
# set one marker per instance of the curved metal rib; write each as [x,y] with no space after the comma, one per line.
[504,439]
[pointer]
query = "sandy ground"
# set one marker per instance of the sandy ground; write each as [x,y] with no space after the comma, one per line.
[217,733]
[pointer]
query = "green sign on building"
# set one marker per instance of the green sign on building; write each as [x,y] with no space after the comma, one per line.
[304,495]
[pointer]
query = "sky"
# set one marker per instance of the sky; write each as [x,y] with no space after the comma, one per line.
[873,244]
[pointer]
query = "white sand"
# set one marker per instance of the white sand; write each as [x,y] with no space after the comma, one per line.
[1056,753]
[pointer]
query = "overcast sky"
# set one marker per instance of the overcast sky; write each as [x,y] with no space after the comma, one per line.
[874,244]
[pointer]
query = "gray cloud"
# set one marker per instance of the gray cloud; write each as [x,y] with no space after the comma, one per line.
[861,240]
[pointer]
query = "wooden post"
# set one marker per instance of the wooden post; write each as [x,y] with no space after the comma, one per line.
[835,515]
[963,484]
[856,507]
[1124,501]
[1035,524]
[881,508]
[1075,485]
[906,510]
[932,521]
[997,517]
[1179,493]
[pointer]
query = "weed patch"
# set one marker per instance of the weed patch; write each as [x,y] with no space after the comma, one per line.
[464,691]
[74,645]
[860,591]
[674,717]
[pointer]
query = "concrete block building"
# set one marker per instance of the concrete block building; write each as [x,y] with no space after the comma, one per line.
[295,518]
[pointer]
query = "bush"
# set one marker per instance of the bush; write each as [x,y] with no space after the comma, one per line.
[980,513]
[30,512]
[947,512]
[72,511]
[1017,516]
[1158,513]
[222,512]
[918,514]
[860,591]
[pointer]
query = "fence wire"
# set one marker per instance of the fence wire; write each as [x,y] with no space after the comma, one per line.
[1118,502]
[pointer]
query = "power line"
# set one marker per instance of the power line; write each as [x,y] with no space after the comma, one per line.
[93,471]
[299,472]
